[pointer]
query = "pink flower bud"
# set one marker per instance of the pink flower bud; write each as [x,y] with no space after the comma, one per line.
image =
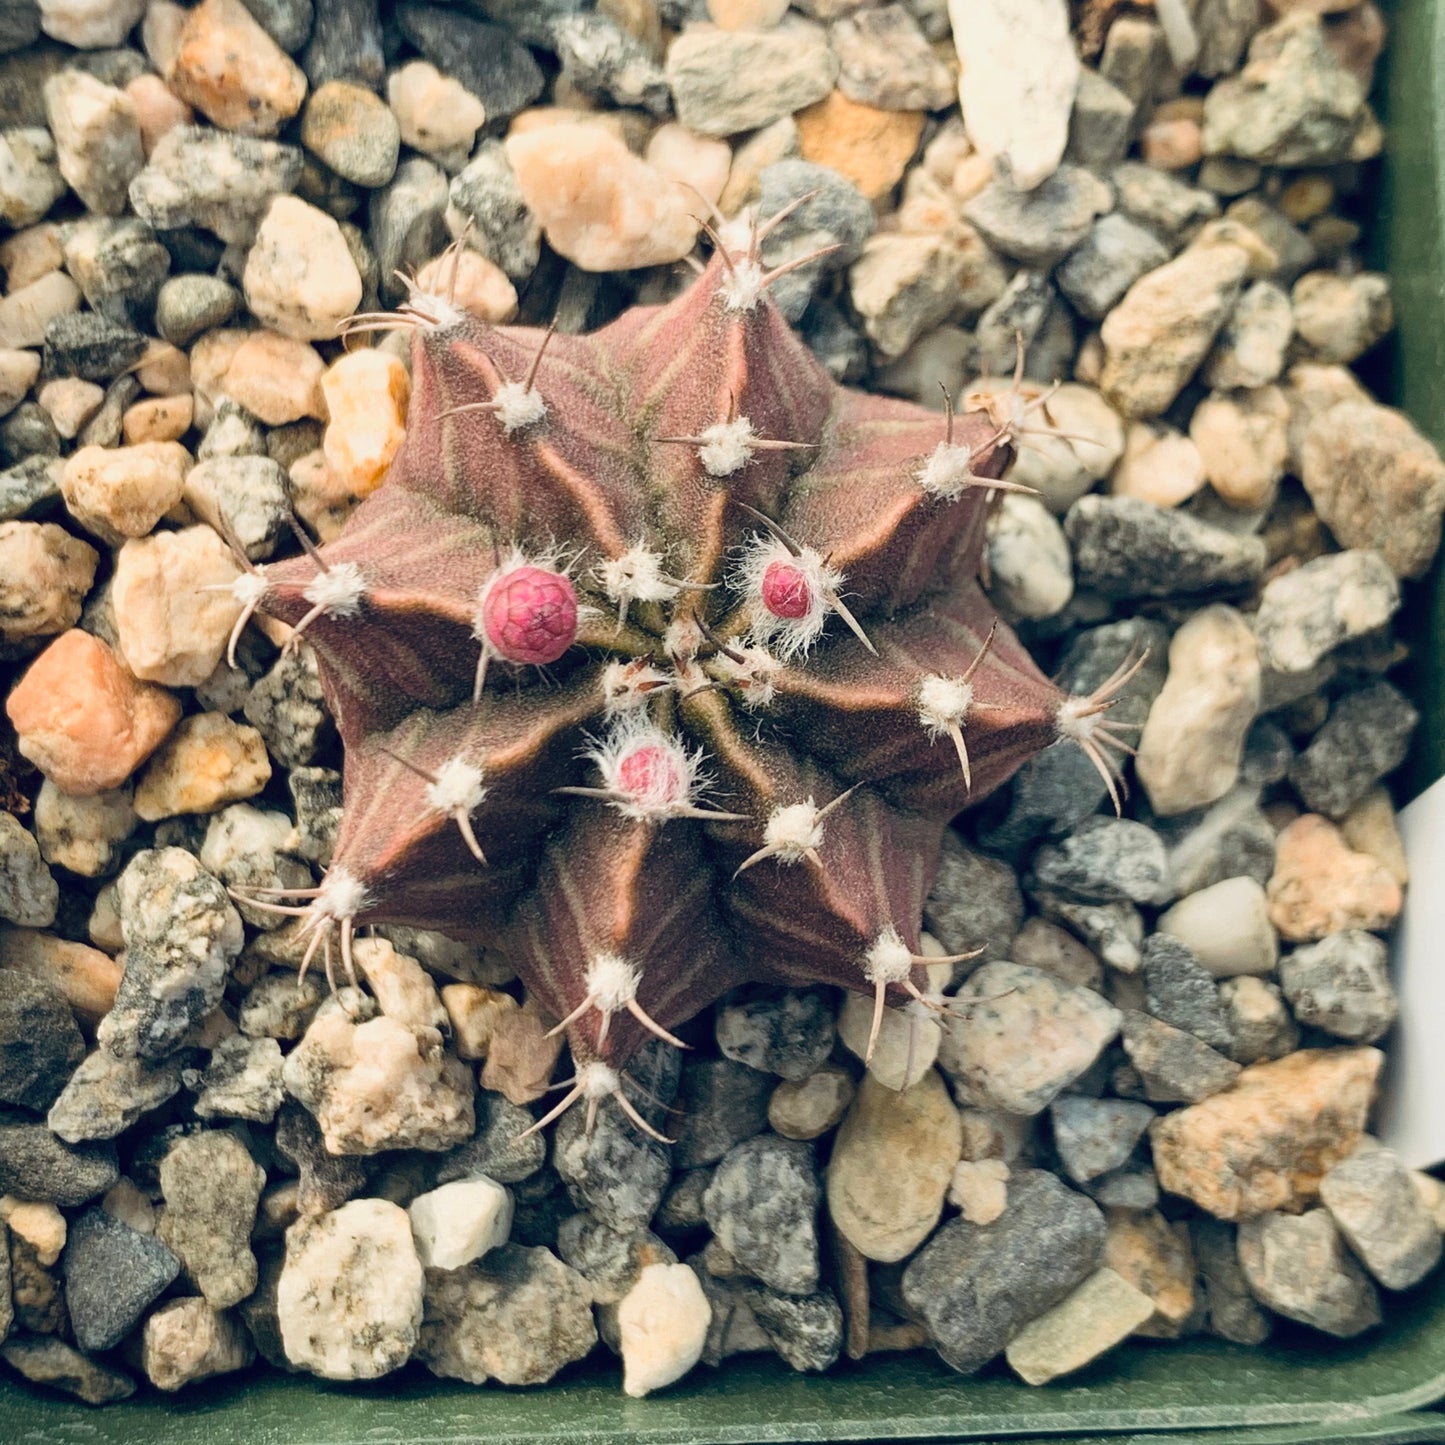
[651,774]
[787,590]
[530,615]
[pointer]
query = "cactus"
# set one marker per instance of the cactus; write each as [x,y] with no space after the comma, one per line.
[661,662]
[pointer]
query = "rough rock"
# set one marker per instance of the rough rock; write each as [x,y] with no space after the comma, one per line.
[1107,860]
[808,1107]
[189,1340]
[206,762]
[29,894]
[211,1187]
[242,1081]
[40,1044]
[1179,991]
[106,1095]
[1039,227]
[1306,613]
[1377,1208]
[45,1360]
[1342,985]
[1232,1311]
[1174,1065]
[1155,1256]
[112,1273]
[35,1164]
[1096,1136]
[1366,735]
[232,71]
[1320,886]
[1298,1266]
[762,1207]
[788,1032]
[300,278]
[1102,1312]
[97,138]
[662,1324]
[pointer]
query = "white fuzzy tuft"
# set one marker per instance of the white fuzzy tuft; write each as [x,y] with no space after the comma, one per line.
[250,588]
[672,777]
[792,832]
[611,981]
[948,472]
[727,446]
[635,576]
[597,1080]
[338,591]
[1078,718]
[789,636]
[626,685]
[683,640]
[889,959]
[516,407]
[743,286]
[753,677]
[434,312]
[458,788]
[342,895]
[943,703]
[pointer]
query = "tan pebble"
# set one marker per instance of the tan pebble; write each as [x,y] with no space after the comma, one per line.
[41,1226]
[27,311]
[120,492]
[473,282]
[978,1189]
[83,832]
[157,108]
[233,72]
[103,928]
[1172,144]
[601,207]
[1158,465]
[402,988]
[44,576]
[164,370]
[18,372]
[474,1012]
[1267,1140]
[1101,1313]
[83,720]
[1242,437]
[1370,828]
[436,113]
[699,161]
[520,1057]
[807,1108]
[1155,1257]
[276,378]
[300,278]
[211,357]
[1320,885]
[970,176]
[871,147]
[366,396]
[319,500]
[207,762]
[30,254]
[87,977]
[1307,197]
[170,629]
[125,1201]
[158,419]
[71,403]
[746,14]
[765,147]
[353,131]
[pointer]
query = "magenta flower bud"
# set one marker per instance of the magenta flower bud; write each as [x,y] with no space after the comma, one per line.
[530,615]
[787,590]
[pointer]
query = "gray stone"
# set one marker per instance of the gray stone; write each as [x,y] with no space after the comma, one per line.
[1176,1067]
[19,25]
[242,1080]
[251,493]
[1342,985]
[1167,205]
[1294,251]
[976,1286]
[354,131]
[1374,1203]
[316,797]
[30,181]
[287,22]
[1133,55]
[885,60]
[40,1043]
[106,1095]
[1366,736]
[1298,1266]
[1230,839]
[1307,613]
[1135,1187]
[407,222]
[118,265]
[1107,860]
[602,60]
[681,1207]
[92,347]
[762,1207]
[788,1032]
[34,1164]
[1019,312]
[29,895]
[29,486]
[1053,791]
[806,1330]
[1252,344]
[609,1260]
[1179,990]
[722,1103]
[97,138]
[44,1360]
[1094,1137]
[1268,752]
[485,194]
[288,708]
[1041,226]
[975,901]
[112,1273]
[498,70]
[1114,931]
[345,44]
[1231,1310]
[1260,1025]
[199,176]
[1100,123]
[1106,263]
[326,1180]
[497,1149]
[833,339]
[277,1007]
[614,1169]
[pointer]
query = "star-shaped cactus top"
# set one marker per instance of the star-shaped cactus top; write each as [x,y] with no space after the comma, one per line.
[661,663]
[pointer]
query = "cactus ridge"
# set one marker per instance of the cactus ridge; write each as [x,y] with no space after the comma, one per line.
[661,663]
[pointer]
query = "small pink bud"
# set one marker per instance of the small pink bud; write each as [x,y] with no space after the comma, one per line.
[650,774]
[530,615]
[787,590]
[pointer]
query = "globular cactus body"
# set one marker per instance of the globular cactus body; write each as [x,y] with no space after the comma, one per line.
[661,663]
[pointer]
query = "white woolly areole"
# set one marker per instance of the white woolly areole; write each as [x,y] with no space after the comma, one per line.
[250,588]
[635,576]
[1078,718]
[627,685]
[342,895]
[789,636]
[434,311]
[612,982]
[742,287]
[948,472]
[517,407]
[338,591]
[753,677]
[457,789]
[727,446]
[650,774]
[943,703]
[889,959]
[682,640]
[597,1081]
[793,831]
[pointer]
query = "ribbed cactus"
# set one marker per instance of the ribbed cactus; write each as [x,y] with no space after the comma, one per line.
[661,662]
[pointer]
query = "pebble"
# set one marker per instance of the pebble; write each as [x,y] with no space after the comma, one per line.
[806,1330]
[89,24]
[884,59]
[169,630]
[106,1095]
[606,61]
[1192,744]
[1339,318]
[1306,613]
[97,138]
[1100,125]
[345,44]
[1062,469]
[975,900]
[35,483]
[1293,104]
[611,1260]
[727,81]
[242,1081]
[83,719]
[487,60]
[45,1360]
[1180,991]
[119,265]
[81,833]
[1029,566]
[1370,827]
[121,492]
[521,1057]
[1107,860]
[34,1164]
[1298,1266]
[1321,886]
[112,1273]
[40,1044]
[517,1316]
[1043,945]
[1027,1037]
[478,285]
[365,393]
[157,419]
[1114,931]
[27,311]
[198,176]
[892,1161]
[662,1325]
[1040,226]
[18,373]
[157,109]
[1127,548]
[809,1107]
[1232,1312]
[1226,926]
[460,1222]
[977,1286]
[1342,985]
[1106,263]
[276,378]
[869,146]
[188,1340]
[325,1180]
[211,1187]
[722,1104]
[979,1189]
[615,1171]
[29,895]
[1265,1143]
[485,194]
[1101,1313]
[275,1006]
[472,1013]
[1253,343]
[1230,839]
[44,576]
[188,305]
[1242,443]
[1096,1136]
[1155,1256]
[1175,1066]
[30,181]
[762,1207]
[1020,75]
[435,114]
[1259,1023]
[1375,1205]
[250,495]
[231,70]
[787,1032]
[70,403]
[1156,337]
[1366,736]
[349,1302]
[354,131]
[300,278]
